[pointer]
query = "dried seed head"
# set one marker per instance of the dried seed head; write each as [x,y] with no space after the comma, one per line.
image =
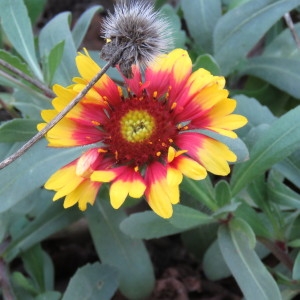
[139,30]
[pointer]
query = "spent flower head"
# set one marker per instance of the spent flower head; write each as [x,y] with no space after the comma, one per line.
[139,31]
[145,138]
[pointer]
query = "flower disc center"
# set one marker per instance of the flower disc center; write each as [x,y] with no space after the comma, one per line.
[137,126]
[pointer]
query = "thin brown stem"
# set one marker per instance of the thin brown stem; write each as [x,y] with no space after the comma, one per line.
[22,85]
[29,79]
[55,120]
[290,24]
[281,255]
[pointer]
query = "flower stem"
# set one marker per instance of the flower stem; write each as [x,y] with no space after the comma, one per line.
[290,24]
[29,79]
[113,61]
[279,253]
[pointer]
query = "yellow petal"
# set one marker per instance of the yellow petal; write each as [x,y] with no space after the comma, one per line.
[203,78]
[214,156]
[104,176]
[191,168]
[174,176]
[229,122]
[86,66]
[118,192]
[85,193]
[137,189]
[209,96]
[159,201]
[161,196]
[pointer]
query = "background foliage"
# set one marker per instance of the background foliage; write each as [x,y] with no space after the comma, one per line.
[252,215]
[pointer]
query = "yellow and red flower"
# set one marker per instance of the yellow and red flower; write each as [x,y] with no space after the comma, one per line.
[146,137]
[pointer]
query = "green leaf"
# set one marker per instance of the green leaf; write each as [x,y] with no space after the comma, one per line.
[17,27]
[35,9]
[282,72]
[14,61]
[235,3]
[223,193]
[207,62]
[278,142]
[115,248]
[53,60]
[290,168]
[246,267]
[186,218]
[214,265]
[92,281]
[38,265]
[256,113]
[283,45]
[17,130]
[49,222]
[56,31]
[49,295]
[281,194]
[225,211]
[240,226]
[82,25]
[289,293]
[202,191]
[254,219]
[31,171]
[296,268]
[25,283]
[201,17]
[5,219]
[147,225]
[179,36]
[30,106]
[241,28]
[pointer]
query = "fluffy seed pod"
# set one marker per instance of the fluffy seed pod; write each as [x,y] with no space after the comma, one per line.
[139,30]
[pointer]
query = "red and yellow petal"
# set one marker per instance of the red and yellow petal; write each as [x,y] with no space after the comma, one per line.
[59,136]
[180,165]
[193,105]
[88,162]
[72,132]
[171,69]
[72,181]
[159,194]
[210,153]
[105,86]
[129,183]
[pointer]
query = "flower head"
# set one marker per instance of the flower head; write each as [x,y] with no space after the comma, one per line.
[138,29]
[146,137]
